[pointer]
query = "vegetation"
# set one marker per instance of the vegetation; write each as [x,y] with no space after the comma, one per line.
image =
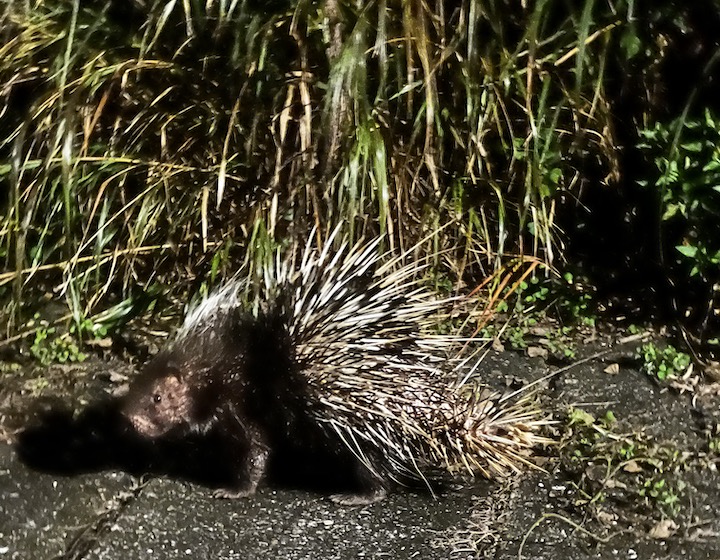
[666,363]
[148,147]
[686,156]
[625,468]
[49,348]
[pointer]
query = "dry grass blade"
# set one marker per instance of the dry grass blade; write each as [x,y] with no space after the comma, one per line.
[392,117]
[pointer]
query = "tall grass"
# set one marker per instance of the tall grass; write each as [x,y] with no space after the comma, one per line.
[142,140]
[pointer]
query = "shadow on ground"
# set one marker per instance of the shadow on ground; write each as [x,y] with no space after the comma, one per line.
[98,438]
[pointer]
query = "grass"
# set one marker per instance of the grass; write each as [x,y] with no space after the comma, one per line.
[143,143]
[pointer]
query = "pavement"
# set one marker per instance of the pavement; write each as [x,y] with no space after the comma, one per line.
[72,486]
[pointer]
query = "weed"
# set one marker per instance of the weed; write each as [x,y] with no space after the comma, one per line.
[714,445]
[533,293]
[537,305]
[664,493]
[575,303]
[560,343]
[48,347]
[665,363]
[686,183]
[634,468]
[36,386]
[687,160]
[517,335]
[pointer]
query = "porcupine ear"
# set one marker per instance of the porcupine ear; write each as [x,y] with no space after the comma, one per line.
[173,369]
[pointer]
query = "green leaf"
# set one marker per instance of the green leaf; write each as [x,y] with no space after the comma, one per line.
[688,250]
[580,417]
[555,175]
[631,42]
[692,146]
[670,210]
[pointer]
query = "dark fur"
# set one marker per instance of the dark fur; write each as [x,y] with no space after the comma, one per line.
[239,377]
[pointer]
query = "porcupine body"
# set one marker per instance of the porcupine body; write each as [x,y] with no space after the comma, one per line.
[337,350]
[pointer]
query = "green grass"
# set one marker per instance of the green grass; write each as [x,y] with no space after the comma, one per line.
[142,143]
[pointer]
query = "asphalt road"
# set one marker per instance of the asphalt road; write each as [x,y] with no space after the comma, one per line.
[53,506]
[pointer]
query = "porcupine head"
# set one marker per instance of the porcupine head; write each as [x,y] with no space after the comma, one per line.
[183,387]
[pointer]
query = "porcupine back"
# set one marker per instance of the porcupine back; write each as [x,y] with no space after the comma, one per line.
[360,326]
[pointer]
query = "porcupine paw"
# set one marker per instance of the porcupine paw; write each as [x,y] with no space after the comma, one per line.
[362,499]
[233,494]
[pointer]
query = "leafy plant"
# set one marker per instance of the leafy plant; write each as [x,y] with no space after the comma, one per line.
[714,445]
[49,348]
[575,302]
[686,154]
[663,363]
[535,306]
[664,493]
[559,343]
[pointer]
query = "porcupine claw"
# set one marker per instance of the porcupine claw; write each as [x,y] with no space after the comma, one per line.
[360,499]
[226,494]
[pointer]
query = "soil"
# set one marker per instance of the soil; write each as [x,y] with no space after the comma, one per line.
[642,483]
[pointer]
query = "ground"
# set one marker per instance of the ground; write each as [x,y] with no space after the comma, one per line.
[640,482]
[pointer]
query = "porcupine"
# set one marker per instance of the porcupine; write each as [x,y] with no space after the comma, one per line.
[338,347]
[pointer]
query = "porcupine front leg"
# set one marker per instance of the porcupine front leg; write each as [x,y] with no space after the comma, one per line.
[249,452]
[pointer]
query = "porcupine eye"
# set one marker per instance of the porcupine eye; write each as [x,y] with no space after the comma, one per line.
[157,398]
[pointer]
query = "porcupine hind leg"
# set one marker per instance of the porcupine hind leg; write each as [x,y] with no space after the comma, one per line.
[372,489]
[248,451]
